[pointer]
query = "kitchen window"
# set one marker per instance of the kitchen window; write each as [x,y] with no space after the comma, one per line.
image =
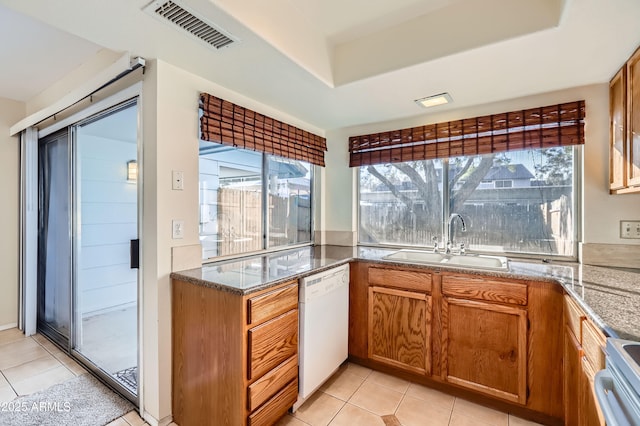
[252,201]
[256,175]
[405,203]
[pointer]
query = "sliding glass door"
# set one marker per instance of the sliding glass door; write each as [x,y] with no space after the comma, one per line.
[88,300]
[106,285]
[54,243]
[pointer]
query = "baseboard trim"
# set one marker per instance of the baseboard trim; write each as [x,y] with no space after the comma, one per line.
[8,326]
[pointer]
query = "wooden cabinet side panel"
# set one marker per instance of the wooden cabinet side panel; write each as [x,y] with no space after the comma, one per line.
[207,356]
[400,328]
[545,348]
[633,120]
[358,310]
[617,130]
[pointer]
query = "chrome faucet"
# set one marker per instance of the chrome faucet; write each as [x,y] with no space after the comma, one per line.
[450,230]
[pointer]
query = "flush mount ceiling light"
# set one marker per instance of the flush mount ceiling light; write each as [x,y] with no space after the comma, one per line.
[434,100]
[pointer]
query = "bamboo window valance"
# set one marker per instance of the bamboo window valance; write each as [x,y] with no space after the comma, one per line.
[230,124]
[543,127]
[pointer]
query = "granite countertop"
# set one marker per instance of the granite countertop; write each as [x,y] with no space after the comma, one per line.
[611,296]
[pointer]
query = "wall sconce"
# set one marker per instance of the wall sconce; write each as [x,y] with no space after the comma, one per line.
[132,170]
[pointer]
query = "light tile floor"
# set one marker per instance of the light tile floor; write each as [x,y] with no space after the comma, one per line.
[354,396]
[358,396]
[32,364]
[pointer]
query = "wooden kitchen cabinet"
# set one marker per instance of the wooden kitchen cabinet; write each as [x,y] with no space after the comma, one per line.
[572,379]
[617,130]
[399,318]
[583,357]
[633,120]
[495,337]
[484,342]
[400,329]
[235,357]
[624,128]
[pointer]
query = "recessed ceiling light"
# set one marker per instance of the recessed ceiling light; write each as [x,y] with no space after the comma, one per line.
[434,100]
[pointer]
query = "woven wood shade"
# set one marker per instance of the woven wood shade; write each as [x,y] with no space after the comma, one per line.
[544,127]
[230,124]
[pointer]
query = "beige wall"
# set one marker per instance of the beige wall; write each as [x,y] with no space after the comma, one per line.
[170,127]
[10,113]
[601,211]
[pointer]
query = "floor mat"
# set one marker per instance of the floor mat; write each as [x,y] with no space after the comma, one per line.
[81,401]
[128,378]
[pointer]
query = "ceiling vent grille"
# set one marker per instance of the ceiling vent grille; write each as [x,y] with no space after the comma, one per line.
[186,20]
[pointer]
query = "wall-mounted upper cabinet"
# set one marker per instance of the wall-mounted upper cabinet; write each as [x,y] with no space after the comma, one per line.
[624,128]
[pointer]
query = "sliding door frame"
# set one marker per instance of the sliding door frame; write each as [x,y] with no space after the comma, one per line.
[29,226]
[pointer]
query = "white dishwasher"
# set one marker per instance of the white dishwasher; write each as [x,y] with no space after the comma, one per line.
[324,328]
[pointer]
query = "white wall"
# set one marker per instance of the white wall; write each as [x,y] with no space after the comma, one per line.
[10,112]
[601,211]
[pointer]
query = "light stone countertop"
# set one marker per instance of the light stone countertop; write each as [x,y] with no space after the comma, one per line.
[611,296]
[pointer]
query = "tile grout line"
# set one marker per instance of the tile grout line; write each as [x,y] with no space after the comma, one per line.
[10,384]
[453,406]
[364,379]
[56,358]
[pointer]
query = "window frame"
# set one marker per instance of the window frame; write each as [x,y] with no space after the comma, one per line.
[578,206]
[264,181]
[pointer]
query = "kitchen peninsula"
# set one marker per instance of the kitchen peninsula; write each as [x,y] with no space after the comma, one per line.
[528,298]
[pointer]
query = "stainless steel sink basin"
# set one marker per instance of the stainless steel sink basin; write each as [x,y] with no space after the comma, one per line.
[496,263]
[484,262]
[633,349]
[416,256]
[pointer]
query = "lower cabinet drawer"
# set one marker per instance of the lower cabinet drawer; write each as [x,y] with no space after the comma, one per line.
[277,406]
[268,385]
[593,343]
[271,343]
[484,289]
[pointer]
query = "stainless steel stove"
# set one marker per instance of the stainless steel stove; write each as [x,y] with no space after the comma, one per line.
[618,386]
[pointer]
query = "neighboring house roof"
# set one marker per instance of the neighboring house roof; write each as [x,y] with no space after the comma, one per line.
[510,171]
[502,172]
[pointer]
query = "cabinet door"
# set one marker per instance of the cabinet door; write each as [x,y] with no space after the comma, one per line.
[485,347]
[617,134]
[572,374]
[589,407]
[633,120]
[400,329]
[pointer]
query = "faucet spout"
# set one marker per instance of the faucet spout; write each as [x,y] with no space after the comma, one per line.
[450,229]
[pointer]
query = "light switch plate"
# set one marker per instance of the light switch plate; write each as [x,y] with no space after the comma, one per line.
[630,229]
[178,180]
[177,229]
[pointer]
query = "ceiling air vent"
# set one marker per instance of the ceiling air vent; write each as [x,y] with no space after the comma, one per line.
[180,16]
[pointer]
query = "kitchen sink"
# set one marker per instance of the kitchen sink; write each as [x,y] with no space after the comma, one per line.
[495,263]
[484,262]
[633,349]
[416,256]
